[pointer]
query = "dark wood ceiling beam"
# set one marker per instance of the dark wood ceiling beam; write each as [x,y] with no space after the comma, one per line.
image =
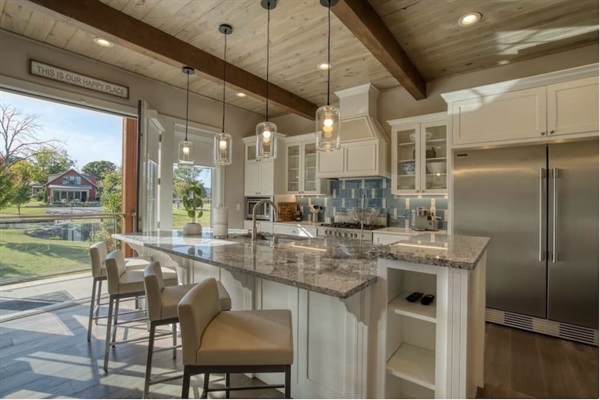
[146,39]
[360,18]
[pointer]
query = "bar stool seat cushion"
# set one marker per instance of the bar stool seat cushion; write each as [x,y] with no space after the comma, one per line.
[171,295]
[262,337]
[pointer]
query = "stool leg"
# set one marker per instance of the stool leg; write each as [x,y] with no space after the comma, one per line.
[227,384]
[185,387]
[149,359]
[97,310]
[89,333]
[205,387]
[108,327]
[114,328]
[174,340]
[288,382]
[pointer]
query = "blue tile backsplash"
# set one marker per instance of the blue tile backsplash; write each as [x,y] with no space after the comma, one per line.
[345,194]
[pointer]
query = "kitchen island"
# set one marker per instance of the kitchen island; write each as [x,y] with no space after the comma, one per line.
[333,287]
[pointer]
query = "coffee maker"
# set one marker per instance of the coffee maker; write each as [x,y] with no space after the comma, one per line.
[423,220]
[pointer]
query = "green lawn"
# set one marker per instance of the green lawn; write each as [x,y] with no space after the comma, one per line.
[31,208]
[23,256]
[180,218]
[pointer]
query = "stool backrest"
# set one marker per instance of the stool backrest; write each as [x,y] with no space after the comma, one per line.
[98,253]
[115,267]
[153,286]
[196,310]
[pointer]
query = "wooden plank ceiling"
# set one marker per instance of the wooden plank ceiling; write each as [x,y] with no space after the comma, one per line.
[425,30]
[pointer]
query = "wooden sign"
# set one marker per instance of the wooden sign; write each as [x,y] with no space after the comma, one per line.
[73,78]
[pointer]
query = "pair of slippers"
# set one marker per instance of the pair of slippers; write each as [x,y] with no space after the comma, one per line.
[425,300]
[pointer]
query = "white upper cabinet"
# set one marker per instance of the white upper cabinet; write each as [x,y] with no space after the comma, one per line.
[420,155]
[301,166]
[355,159]
[573,107]
[263,177]
[508,116]
[532,109]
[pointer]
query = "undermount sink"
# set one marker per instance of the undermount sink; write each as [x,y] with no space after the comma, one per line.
[267,237]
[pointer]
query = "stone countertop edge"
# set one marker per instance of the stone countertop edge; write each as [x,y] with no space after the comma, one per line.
[454,260]
[289,282]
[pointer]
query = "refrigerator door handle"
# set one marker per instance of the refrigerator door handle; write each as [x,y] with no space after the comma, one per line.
[554,214]
[542,253]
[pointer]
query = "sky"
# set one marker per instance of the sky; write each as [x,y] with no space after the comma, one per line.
[86,135]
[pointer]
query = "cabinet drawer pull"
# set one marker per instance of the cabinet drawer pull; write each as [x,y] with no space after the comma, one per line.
[542,133]
[551,132]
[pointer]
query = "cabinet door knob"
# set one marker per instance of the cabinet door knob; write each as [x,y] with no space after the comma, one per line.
[542,133]
[551,132]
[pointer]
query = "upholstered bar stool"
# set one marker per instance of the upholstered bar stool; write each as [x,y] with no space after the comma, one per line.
[124,283]
[98,253]
[215,341]
[161,305]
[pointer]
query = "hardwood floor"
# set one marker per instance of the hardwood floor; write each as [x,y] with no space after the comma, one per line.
[47,355]
[520,364]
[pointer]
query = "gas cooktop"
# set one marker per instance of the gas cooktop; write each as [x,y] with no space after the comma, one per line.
[352,225]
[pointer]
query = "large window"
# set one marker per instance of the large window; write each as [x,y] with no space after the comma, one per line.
[182,178]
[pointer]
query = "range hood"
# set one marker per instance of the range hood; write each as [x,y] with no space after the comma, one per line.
[365,145]
[358,107]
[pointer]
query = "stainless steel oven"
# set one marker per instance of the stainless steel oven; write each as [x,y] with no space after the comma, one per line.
[264,211]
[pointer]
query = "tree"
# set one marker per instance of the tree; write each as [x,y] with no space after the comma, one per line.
[5,188]
[47,161]
[111,197]
[20,194]
[18,135]
[23,170]
[98,169]
[183,178]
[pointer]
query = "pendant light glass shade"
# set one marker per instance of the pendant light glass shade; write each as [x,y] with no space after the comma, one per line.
[186,148]
[327,119]
[222,149]
[328,128]
[266,140]
[223,143]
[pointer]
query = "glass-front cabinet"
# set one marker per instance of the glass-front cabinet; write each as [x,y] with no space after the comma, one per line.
[420,155]
[301,166]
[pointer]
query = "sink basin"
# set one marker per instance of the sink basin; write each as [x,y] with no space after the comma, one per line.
[266,238]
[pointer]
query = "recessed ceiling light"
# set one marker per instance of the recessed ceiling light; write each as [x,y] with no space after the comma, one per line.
[324,66]
[240,94]
[102,42]
[469,19]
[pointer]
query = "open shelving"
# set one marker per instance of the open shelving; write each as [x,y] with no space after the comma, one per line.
[411,335]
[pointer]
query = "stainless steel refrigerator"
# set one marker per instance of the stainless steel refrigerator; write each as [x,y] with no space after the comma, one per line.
[539,204]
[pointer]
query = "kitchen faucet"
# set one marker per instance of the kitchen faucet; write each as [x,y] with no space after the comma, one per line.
[264,201]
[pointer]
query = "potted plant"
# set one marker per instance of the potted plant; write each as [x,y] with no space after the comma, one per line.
[192,203]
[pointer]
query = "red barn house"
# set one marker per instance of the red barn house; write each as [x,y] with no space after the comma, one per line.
[69,186]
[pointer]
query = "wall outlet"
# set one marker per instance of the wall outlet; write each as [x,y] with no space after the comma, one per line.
[238,207]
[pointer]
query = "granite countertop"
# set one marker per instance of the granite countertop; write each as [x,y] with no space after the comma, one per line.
[433,248]
[333,267]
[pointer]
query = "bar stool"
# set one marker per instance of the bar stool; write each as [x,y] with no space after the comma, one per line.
[161,305]
[98,253]
[215,341]
[123,284]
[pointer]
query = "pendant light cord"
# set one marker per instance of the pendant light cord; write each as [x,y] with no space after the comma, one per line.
[187,105]
[268,40]
[224,76]
[328,50]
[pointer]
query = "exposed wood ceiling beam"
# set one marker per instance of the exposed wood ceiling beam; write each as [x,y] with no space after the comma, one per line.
[360,18]
[136,35]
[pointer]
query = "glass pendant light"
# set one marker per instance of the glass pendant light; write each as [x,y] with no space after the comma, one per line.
[266,141]
[223,140]
[186,148]
[327,119]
